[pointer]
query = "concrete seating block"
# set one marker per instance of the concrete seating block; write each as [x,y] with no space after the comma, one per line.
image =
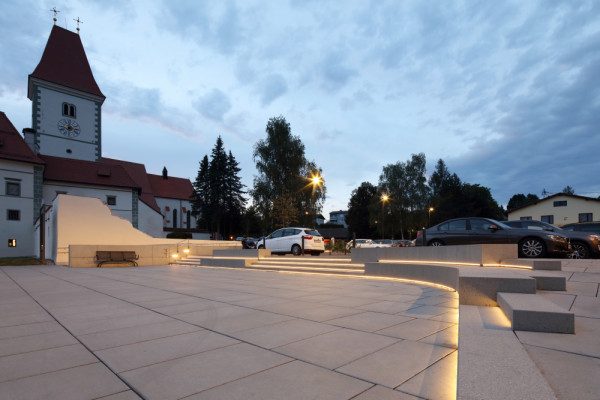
[479,286]
[548,281]
[228,262]
[530,312]
[547,265]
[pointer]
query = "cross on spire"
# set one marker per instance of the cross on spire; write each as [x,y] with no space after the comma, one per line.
[78,22]
[55,11]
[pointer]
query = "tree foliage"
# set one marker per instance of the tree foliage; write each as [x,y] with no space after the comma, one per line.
[218,193]
[406,185]
[282,180]
[519,200]
[358,218]
[568,190]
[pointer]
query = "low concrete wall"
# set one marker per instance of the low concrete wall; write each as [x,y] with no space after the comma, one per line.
[471,254]
[253,253]
[440,274]
[83,255]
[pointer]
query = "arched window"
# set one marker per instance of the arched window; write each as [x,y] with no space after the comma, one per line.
[174,218]
[68,110]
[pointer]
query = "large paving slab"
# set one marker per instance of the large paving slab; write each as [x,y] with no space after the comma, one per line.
[126,333]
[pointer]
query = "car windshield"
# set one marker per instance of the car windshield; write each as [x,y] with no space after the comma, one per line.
[311,232]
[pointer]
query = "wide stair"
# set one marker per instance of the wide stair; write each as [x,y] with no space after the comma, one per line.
[323,264]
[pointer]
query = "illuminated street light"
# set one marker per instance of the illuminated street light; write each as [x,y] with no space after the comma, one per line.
[430,210]
[384,197]
[316,180]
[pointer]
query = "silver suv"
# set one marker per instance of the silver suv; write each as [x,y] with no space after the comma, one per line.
[291,240]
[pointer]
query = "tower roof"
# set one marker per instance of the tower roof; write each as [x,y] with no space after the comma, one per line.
[64,63]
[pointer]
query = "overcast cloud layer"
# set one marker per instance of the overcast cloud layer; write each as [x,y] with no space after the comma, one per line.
[507,93]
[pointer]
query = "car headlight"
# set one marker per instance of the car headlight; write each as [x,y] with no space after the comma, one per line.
[556,237]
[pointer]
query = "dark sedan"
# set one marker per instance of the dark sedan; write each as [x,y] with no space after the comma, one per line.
[531,244]
[583,244]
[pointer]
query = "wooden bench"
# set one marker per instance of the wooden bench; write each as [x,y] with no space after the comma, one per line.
[116,257]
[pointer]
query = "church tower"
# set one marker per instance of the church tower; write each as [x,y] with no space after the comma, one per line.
[66,101]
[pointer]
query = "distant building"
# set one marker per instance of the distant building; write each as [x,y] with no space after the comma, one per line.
[61,154]
[559,209]
[338,217]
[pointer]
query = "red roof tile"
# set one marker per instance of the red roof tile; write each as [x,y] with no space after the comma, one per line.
[64,62]
[12,145]
[61,169]
[171,188]
[138,173]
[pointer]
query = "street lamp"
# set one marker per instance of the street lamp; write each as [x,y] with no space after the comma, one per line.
[316,180]
[384,198]
[430,210]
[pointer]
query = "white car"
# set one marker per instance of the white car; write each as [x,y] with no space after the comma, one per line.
[290,240]
[364,243]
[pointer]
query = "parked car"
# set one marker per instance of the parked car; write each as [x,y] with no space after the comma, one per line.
[365,243]
[248,243]
[591,227]
[484,230]
[392,243]
[583,244]
[289,240]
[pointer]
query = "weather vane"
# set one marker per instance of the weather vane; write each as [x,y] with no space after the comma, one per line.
[78,22]
[55,11]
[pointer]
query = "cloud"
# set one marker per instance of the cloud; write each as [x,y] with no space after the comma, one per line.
[213,105]
[272,87]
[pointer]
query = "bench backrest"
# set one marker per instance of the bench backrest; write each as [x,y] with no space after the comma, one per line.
[116,255]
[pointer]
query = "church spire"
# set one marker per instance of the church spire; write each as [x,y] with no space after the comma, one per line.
[55,11]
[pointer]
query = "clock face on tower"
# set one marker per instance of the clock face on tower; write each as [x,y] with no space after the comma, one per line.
[69,127]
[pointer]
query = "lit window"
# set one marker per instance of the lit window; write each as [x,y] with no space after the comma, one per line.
[586,217]
[525,218]
[561,203]
[549,219]
[13,215]
[111,200]
[13,188]
[68,110]
[12,242]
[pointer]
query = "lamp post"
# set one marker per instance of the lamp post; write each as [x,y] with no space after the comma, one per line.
[316,181]
[384,198]
[429,220]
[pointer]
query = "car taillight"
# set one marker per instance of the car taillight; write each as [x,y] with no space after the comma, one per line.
[419,234]
[308,237]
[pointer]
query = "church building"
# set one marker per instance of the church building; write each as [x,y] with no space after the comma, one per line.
[62,154]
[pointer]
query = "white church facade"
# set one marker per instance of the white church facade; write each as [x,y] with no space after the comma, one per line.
[62,154]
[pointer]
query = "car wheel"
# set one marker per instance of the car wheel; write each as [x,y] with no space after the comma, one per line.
[532,248]
[261,247]
[580,250]
[436,243]
[296,250]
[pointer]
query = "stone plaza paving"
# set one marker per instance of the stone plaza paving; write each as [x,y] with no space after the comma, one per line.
[208,333]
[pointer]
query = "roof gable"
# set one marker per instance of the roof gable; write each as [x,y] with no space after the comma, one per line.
[553,197]
[12,145]
[65,63]
[171,188]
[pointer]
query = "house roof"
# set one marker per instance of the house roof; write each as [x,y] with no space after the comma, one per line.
[171,188]
[551,197]
[70,170]
[12,145]
[138,173]
[64,63]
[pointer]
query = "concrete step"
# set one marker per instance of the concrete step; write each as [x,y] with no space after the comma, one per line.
[531,312]
[308,268]
[536,264]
